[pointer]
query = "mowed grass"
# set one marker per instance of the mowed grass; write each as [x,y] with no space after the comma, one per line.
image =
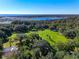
[52,37]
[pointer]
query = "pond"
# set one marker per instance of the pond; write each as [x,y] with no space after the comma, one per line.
[47,18]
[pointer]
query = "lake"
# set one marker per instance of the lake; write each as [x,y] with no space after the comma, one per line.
[47,18]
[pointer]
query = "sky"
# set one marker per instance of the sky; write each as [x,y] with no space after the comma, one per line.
[39,6]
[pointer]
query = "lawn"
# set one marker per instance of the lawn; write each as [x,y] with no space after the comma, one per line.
[52,37]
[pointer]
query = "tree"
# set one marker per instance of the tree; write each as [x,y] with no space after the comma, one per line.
[7,31]
[21,28]
[3,37]
[17,22]
[71,34]
[1,48]
[54,28]
[45,26]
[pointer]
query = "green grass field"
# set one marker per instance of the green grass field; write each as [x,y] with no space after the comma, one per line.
[52,37]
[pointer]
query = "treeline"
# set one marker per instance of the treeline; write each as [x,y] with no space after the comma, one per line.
[68,26]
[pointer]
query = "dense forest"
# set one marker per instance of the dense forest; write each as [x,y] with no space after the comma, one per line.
[40,39]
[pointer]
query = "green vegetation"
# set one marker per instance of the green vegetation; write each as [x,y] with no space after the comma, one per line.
[52,37]
[58,39]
